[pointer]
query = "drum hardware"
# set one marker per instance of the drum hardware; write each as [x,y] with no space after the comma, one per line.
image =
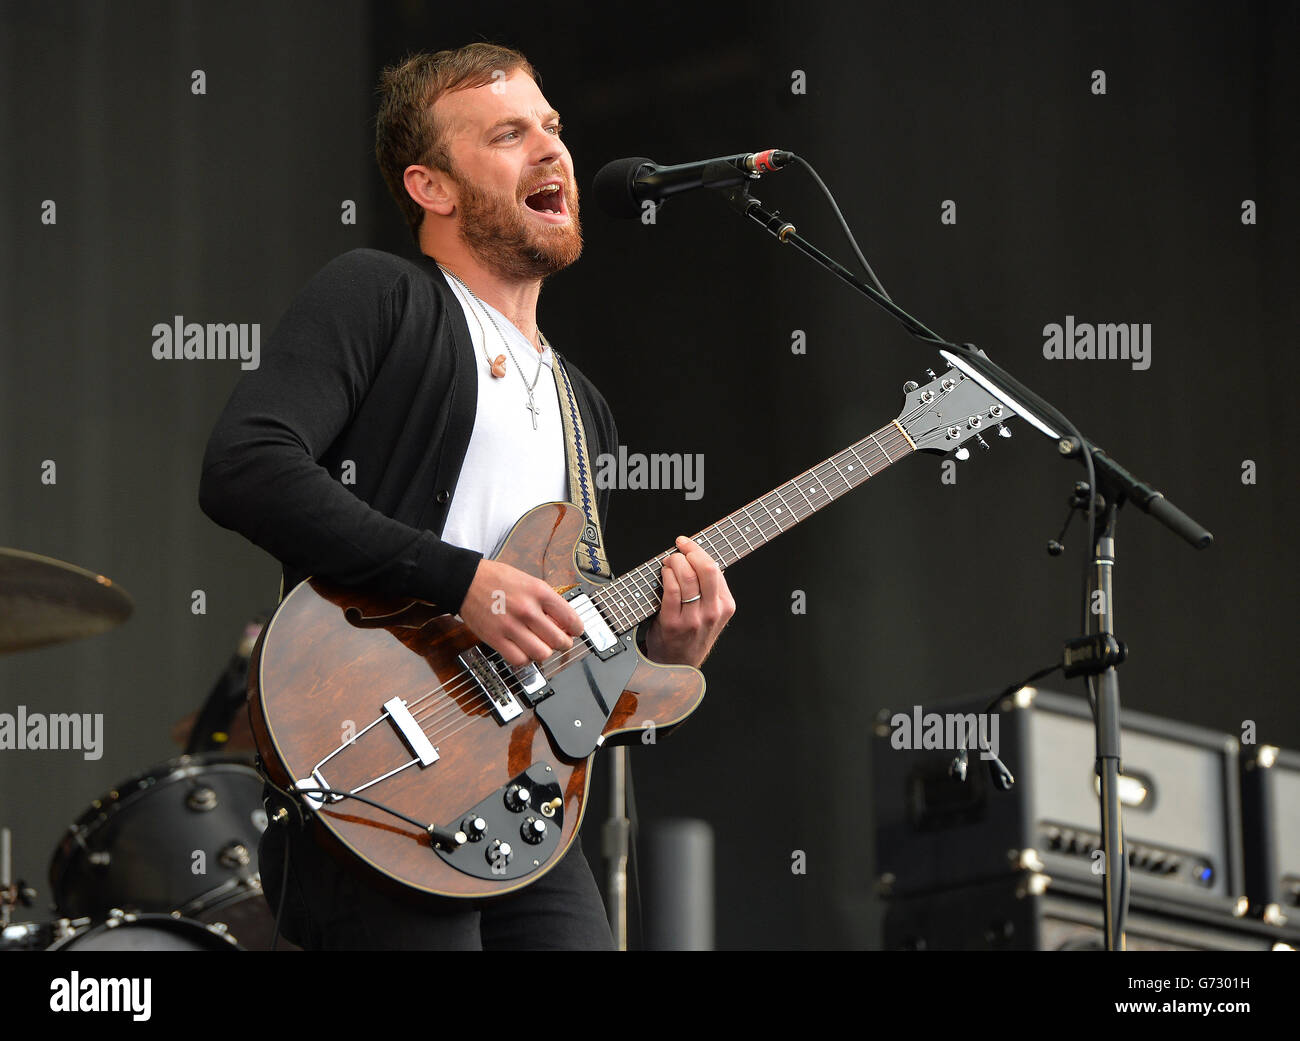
[134,850]
[235,856]
[129,931]
[12,893]
[137,846]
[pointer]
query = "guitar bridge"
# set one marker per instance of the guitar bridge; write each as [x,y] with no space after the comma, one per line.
[503,702]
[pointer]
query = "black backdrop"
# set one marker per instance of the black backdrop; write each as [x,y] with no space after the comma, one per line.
[1122,207]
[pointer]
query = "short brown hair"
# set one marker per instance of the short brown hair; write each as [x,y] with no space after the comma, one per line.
[406,133]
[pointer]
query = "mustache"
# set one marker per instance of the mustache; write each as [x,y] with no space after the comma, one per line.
[570,188]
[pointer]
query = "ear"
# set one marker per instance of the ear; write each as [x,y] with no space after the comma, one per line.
[431,189]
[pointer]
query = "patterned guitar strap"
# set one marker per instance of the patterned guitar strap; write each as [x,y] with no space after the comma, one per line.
[582,490]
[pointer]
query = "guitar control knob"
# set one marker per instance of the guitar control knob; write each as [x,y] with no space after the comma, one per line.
[499,852]
[533,830]
[474,827]
[518,798]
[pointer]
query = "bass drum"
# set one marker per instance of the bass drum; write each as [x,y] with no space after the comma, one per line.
[180,838]
[146,932]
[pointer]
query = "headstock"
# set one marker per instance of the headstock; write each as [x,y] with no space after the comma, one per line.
[950,410]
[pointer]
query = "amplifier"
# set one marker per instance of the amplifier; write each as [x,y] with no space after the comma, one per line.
[1179,801]
[1029,912]
[1270,823]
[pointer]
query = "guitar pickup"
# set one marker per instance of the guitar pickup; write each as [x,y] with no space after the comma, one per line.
[595,629]
[503,702]
[535,687]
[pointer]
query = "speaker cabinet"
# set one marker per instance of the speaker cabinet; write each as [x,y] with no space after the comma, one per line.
[1270,803]
[1028,912]
[1179,802]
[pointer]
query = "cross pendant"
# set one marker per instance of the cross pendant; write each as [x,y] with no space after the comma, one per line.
[533,409]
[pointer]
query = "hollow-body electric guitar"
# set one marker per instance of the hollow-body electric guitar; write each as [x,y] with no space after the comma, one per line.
[425,758]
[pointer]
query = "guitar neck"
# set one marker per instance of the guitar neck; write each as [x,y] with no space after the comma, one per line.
[635,596]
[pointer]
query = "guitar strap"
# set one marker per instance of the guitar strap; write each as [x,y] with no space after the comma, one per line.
[591,552]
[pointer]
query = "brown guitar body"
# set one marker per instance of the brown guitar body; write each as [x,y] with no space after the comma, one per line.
[331,657]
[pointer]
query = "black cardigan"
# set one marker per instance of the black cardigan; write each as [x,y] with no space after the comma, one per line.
[372,365]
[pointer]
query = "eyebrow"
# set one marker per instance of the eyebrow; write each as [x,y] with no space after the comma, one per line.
[519,122]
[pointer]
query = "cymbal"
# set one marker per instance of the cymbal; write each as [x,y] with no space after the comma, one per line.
[44,601]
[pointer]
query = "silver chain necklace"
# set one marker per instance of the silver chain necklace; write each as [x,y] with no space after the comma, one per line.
[532,405]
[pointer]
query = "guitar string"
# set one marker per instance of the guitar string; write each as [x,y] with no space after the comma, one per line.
[617,607]
[446,701]
[439,711]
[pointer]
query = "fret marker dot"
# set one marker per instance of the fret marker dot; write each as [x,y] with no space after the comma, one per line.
[778,509]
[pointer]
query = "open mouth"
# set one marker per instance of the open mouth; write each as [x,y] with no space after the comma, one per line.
[548,200]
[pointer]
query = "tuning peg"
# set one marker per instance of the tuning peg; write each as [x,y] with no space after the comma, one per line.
[962,453]
[982,443]
[1003,430]
[930,373]
[910,386]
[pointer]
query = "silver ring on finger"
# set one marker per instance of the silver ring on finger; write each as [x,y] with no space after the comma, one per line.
[692,599]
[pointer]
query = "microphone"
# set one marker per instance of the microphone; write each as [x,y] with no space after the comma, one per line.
[621,187]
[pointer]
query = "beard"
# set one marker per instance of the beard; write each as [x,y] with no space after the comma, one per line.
[508,242]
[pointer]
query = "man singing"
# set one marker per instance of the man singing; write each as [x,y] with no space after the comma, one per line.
[428,383]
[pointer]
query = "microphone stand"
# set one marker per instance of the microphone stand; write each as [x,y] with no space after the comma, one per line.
[1097,653]
[615,842]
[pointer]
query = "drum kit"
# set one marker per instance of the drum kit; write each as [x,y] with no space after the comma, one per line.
[166,860]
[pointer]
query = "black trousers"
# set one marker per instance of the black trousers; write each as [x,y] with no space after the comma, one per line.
[329,908]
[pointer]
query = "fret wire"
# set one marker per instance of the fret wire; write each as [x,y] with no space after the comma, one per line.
[817,472]
[865,465]
[718,529]
[795,484]
[784,504]
[769,514]
[847,485]
[638,594]
[742,531]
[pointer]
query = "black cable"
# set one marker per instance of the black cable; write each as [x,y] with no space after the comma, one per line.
[1023,683]
[284,893]
[843,223]
[289,803]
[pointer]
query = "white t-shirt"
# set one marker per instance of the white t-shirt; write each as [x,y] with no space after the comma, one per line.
[509,467]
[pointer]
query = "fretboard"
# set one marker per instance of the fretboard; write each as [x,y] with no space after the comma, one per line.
[635,596]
